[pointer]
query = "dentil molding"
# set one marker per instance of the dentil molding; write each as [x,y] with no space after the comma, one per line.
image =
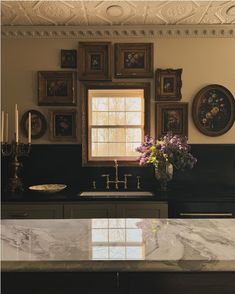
[106,32]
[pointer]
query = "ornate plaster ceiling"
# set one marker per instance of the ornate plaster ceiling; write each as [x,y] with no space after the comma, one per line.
[113,13]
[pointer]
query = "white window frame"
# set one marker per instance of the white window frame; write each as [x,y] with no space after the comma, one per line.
[113,93]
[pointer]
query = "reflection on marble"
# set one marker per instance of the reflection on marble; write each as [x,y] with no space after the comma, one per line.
[119,244]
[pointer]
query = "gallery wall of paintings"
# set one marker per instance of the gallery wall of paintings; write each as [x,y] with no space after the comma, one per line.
[55,102]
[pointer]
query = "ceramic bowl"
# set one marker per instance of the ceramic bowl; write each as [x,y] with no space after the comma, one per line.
[48,188]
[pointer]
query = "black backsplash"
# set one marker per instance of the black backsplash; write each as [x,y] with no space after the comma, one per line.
[62,164]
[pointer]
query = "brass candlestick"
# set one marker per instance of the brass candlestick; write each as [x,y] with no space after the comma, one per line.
[15,150]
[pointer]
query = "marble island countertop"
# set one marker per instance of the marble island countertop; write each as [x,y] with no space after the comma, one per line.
[118,245]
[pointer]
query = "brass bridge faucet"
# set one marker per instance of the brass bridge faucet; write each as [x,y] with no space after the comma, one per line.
[116,181]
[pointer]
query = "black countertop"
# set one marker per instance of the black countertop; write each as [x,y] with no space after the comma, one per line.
[191,194]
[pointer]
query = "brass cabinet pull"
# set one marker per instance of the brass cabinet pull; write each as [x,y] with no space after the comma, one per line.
[24,214]
[205,214]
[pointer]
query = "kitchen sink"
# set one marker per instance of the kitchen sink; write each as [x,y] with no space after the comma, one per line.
[115,194]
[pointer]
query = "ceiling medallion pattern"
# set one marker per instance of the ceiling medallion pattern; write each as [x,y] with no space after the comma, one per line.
[101,13]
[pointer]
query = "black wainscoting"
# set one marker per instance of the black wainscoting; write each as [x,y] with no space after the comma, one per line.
[62,164]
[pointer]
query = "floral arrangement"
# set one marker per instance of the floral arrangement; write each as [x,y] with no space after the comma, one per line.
[170,149]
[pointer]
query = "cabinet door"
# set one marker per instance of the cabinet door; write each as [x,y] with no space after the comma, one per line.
[32,211]
[202,210]
[142,209]
[89,210]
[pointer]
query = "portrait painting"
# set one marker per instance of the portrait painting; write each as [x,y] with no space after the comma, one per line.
[213,110]
[172,120]
[171,117]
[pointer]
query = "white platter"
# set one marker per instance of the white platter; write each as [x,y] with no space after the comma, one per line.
[48,188]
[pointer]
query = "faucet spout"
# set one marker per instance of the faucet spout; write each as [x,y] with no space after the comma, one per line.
[116,181]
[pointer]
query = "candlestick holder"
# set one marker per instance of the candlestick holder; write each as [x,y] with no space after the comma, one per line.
[15,150]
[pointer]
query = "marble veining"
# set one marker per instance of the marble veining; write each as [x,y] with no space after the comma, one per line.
[119,244]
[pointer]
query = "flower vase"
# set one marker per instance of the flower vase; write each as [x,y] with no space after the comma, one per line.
[164,174]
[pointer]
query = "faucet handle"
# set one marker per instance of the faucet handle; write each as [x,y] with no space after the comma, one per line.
[125,179]
[107,180]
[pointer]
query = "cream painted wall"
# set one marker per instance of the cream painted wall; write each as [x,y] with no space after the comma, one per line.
[204,61]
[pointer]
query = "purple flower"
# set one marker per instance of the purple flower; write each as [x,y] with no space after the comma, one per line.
[171,148]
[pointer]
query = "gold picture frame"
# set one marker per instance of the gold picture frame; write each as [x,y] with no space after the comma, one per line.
[95,61]
[168,84]
[134,60]
[57,88]
[171,117]
[63,125]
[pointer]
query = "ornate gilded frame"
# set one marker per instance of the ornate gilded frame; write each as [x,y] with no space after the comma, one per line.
[168,84]
[171,117]
[95,61]
[134,60]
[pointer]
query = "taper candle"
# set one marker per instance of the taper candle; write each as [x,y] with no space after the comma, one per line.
[29,129]
[16,124]
[2,130]
[6,126]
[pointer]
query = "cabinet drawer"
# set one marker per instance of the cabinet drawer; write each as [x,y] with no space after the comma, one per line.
[90,210]
[143,210]
[31,211]
[203,210]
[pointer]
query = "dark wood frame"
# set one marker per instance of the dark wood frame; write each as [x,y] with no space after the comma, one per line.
[24,121]
[173,94]
[68,58]
[122,72]
[159,117]
[101,49]
[196,105]
[55,112]
[45,99]
[110,85]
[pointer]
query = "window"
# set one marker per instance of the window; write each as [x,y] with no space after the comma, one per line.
[115,122]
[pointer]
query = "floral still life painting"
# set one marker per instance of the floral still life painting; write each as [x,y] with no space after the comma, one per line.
[171,151]
[213,110]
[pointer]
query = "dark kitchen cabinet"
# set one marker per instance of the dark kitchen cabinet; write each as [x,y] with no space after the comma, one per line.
[118,282]
[143,210]
[89,210]
[126,209]
[59,283]
[85,209]
[178,283]
[30,210]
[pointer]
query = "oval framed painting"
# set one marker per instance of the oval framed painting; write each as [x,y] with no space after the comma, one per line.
[38,124]
[213,110]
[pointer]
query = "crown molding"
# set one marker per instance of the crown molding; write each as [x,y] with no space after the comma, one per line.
[101,32]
